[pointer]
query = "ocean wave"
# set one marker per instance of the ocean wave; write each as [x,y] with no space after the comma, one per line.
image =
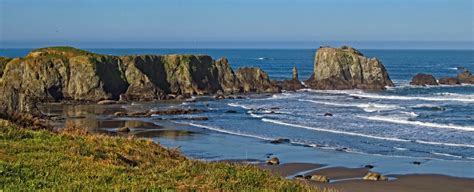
[405,121]
[368,107]
[447,155]
[238,105]
[335,131]
[396,97]
[444,144]
[400,148]
[255,115]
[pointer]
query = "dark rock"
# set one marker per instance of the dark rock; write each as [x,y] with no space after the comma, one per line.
[120,114]
[231,111]
[289,85]
[280,141]
[423,80]
[369,166]
[466,77]
[295,74]
[328,114]
[123,129]
[449,81]
[347,68]
[273,161]
[460,68]
[416,162]
[299,177]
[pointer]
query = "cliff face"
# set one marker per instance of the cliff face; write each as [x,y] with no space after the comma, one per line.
[64,73]
[347,68]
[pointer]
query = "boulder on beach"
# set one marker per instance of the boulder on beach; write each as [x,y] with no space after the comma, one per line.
[123,130]
[347,68]
[320,178]
[422,79]
[372,176]
[273,161]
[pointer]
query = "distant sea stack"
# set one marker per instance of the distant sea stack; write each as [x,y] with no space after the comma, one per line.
[66,73]
[347,68]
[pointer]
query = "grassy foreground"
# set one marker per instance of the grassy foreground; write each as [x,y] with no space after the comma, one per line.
[73,159]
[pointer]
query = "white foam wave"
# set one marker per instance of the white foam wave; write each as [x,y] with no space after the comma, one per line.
[255,115]
[400,148]
[229,132]
[334,131]
[446,155]
[396,97]
[418,123]
[238,105]
[411,114]
[444,144]
[368,107]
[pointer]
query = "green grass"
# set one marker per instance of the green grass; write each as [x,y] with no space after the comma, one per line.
[74,159]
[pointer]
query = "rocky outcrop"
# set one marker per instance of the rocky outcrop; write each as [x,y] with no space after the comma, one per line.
[423,80]
[347,68]
[65,73]
[3,63]
[466,77]
[291,85]
[255,80]
[449,81]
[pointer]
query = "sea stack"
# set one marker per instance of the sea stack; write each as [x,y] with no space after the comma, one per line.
[347,68]
[295,74]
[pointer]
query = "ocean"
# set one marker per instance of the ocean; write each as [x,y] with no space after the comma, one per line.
[433,124]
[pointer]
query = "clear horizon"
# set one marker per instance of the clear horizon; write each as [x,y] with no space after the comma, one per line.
[446,24]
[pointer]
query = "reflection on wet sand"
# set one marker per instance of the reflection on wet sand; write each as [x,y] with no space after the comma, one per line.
[99,119]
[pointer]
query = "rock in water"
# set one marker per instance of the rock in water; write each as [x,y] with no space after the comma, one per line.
[66,73]
[371,176]
[347,68]
[466,77]
[273,161]
[423,80]
[449,81]
[295,74]
[255,80]
[320,178]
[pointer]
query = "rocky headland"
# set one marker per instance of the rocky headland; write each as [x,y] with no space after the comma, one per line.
[347,68]
[66,73]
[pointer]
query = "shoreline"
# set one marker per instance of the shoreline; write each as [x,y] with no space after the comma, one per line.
[342,177]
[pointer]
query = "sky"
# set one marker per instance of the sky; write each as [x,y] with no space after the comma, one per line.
[239,23]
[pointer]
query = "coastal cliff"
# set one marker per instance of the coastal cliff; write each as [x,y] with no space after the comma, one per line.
[347,68]
[65,73]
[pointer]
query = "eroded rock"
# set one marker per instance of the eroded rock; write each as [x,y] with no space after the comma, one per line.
[423,80]
[347,68]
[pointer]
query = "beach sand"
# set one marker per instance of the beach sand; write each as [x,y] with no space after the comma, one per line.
[350,179]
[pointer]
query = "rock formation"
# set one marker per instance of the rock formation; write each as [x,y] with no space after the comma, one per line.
[423,80]
[347,68]
[65,73]
[291,85]
[464,77]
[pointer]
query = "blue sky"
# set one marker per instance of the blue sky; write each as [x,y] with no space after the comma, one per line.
[111,23]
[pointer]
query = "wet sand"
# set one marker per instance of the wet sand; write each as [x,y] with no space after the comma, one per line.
[350,179]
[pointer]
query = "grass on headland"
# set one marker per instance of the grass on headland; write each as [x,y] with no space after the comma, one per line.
[74,159]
